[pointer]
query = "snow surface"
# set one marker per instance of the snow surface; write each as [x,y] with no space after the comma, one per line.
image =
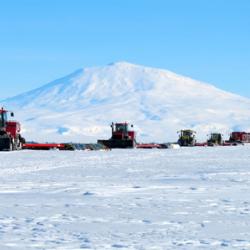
[191,198]
[80,106]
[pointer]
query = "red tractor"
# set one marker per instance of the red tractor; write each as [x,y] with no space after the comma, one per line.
[240,137]
[122,137]
[10,137]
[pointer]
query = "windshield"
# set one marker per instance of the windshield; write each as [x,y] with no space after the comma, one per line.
[215,136]
[3,119]
[121,127]
[187,132]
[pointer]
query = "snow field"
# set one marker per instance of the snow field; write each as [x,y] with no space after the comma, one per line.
[191,198]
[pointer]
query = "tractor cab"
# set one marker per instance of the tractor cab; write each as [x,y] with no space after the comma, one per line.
[187,137]
[120,131]
[215,139]
[187,133]
[120,127]
[4,118]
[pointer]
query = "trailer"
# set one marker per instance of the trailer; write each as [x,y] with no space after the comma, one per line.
[149,146]
[44,146]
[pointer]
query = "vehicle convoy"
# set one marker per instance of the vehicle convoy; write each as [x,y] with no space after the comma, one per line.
[215,139]
[187,138]
[122,136]
[10,137]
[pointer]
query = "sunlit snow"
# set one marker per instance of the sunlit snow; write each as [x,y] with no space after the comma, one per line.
[191,198]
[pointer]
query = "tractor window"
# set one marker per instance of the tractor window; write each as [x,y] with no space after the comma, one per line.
[3,119]
[187,133]
[120,127]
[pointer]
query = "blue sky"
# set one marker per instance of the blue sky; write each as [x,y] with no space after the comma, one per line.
[42,40]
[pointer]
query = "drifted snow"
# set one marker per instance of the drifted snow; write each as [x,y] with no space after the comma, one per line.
[191,198]
[80,106]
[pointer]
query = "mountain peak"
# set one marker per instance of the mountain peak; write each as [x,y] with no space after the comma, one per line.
[157,101]
[122,64]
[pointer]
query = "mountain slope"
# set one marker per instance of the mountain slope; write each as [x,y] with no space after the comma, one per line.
[80,106]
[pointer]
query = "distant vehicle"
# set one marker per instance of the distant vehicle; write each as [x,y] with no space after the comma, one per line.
[187,138]
[240,137]
[10,132]
[215,139]
[122,136]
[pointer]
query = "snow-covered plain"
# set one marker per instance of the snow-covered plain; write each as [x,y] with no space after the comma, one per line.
[191,198]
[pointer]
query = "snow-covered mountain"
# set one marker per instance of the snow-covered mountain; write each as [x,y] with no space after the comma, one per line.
[80,106]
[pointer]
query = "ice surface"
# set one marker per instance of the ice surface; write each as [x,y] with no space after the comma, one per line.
[191,198]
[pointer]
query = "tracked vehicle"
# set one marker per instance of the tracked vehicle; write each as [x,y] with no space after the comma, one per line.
[187,138]
[122,136]
[10,137]
[215,139]
[239,137]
